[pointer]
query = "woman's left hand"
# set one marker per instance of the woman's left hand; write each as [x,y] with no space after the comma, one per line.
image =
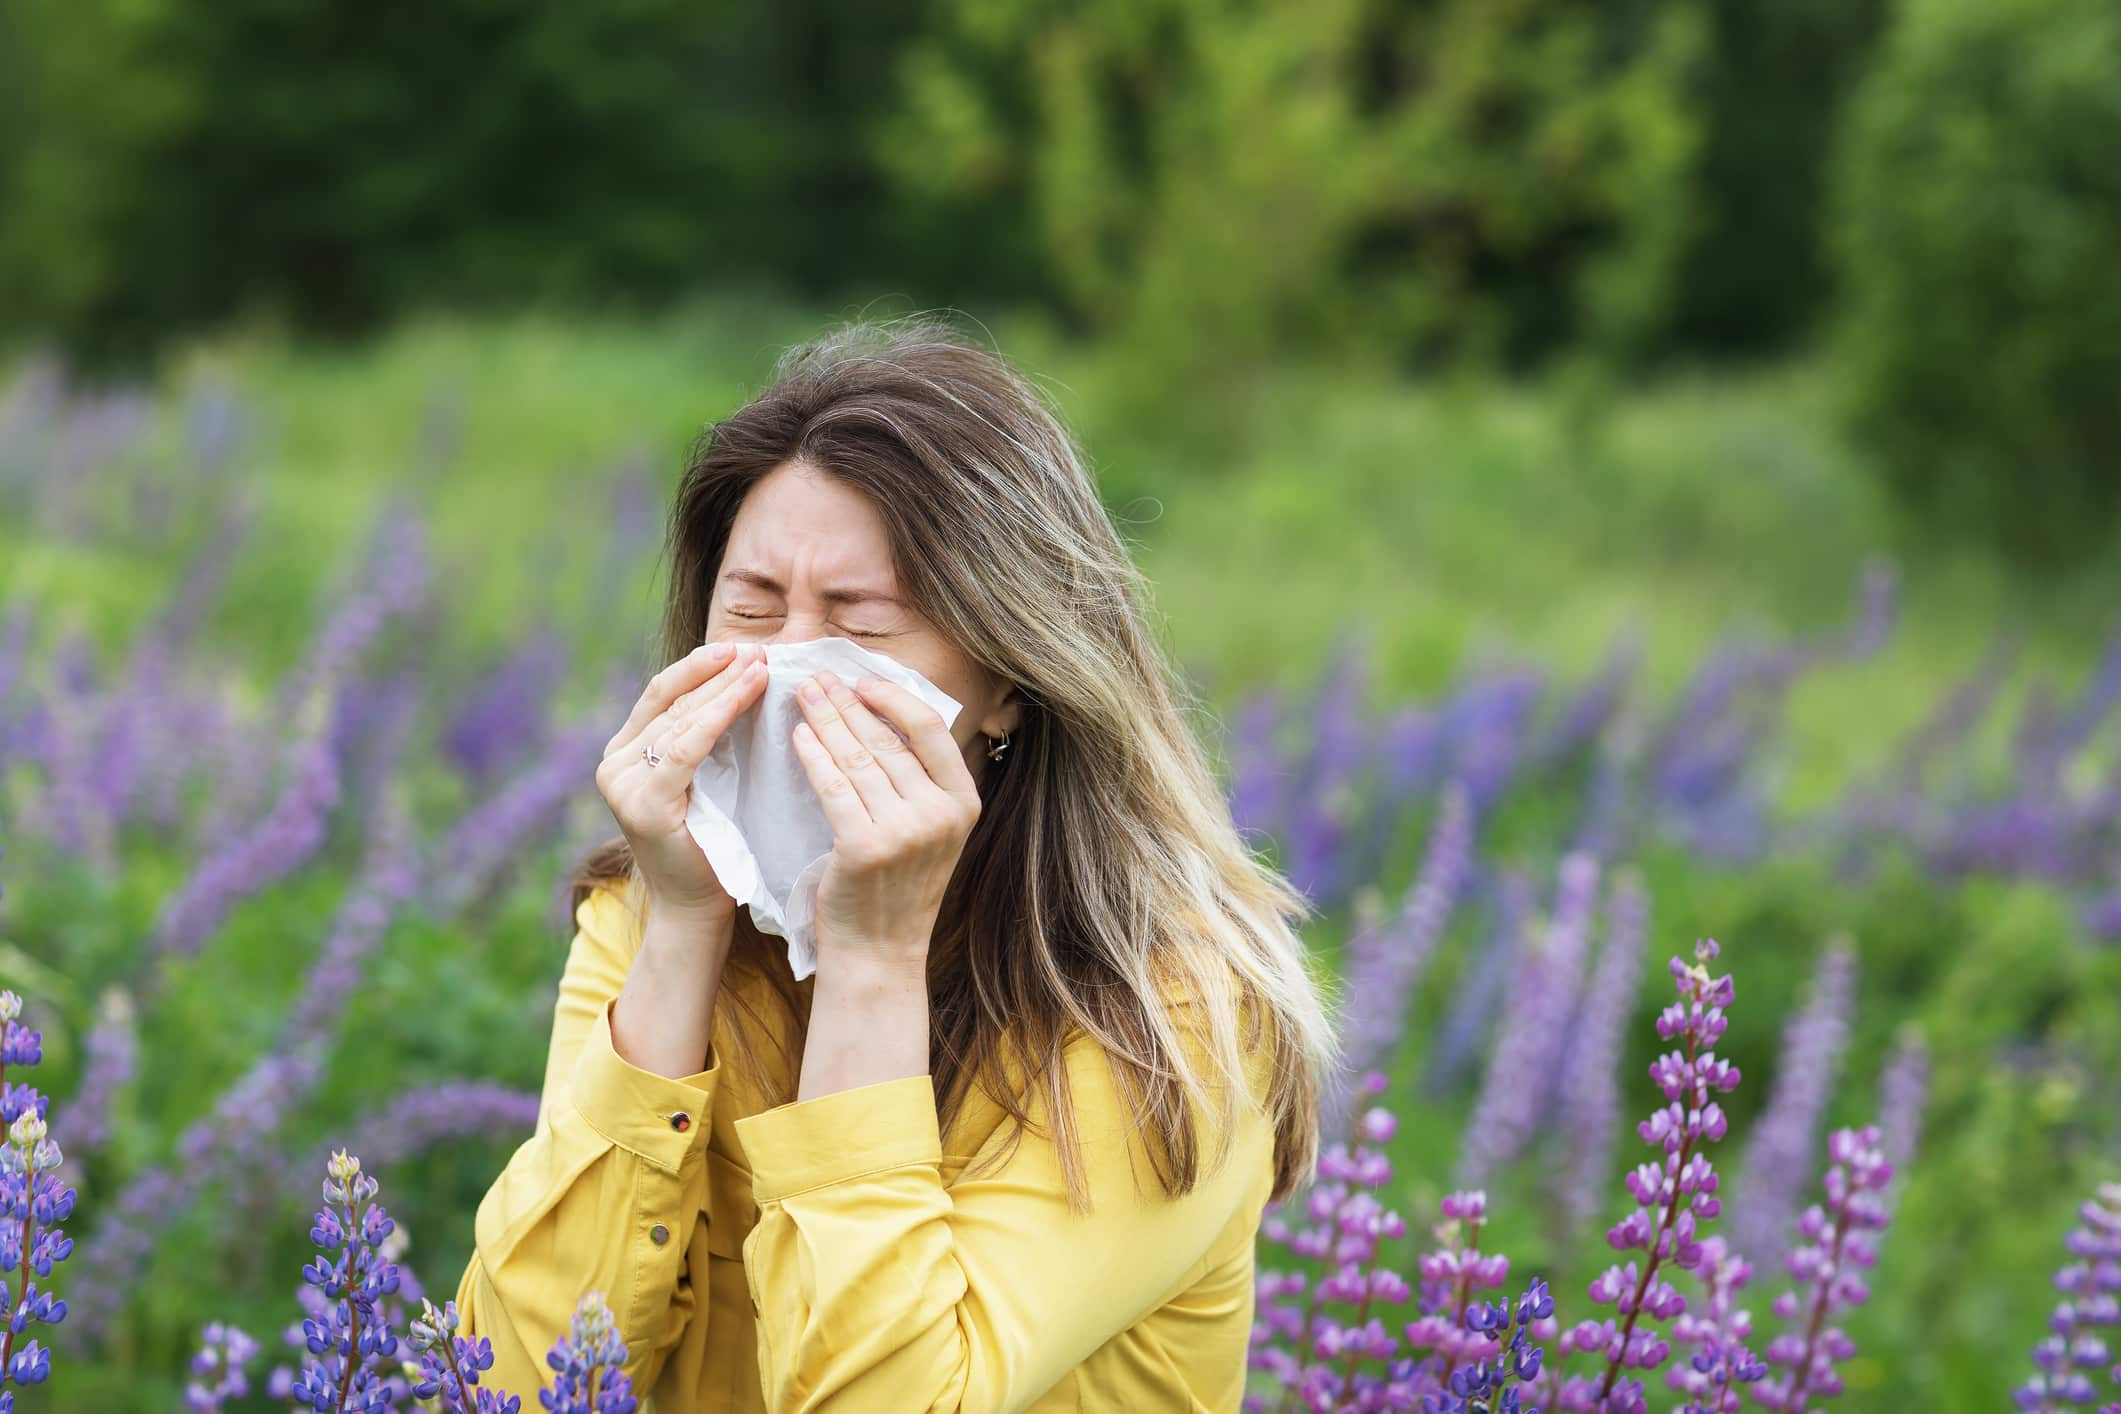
[900,811]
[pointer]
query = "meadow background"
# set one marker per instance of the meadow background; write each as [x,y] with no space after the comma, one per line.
[1688,422]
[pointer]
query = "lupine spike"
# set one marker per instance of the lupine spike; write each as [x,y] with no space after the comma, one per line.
[1674,1196]
[2076,1349]
[1778,1152]
[1838,1245]
[33,1202]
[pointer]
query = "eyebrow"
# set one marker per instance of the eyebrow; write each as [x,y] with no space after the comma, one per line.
[759,579]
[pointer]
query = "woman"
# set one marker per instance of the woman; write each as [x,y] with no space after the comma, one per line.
[1007,1148]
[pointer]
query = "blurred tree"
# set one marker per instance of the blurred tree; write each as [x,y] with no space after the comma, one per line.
[1979,235]
[1410,179]
[1770,88]
[169,162]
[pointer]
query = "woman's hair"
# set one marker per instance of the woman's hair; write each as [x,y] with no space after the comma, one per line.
[1105,885]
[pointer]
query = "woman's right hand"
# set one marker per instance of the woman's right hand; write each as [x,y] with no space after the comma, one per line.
[682,712]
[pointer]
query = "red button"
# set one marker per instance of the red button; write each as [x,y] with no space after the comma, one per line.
[681,1121]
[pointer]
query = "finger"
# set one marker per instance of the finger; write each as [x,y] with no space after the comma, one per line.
[652,789]
[925,730]
[842,804]
[880,794]
[667,685]
[689,743]
[668,732]
[686,704]
[892,753]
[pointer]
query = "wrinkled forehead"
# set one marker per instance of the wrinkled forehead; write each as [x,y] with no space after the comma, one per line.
[803,527]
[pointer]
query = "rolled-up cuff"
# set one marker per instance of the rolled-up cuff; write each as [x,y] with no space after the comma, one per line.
[662,1118]
[834,1138]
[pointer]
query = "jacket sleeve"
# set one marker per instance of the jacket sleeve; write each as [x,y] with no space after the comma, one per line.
[617,1153]
[879,1289]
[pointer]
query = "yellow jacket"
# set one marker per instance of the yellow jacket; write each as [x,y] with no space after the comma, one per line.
[824,1254]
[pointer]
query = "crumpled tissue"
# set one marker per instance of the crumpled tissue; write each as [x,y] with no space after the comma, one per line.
[753,810]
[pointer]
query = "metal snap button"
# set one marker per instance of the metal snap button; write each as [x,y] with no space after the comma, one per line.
[659,1234]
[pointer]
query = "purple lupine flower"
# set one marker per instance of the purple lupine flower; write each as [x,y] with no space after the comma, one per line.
[1258,776]
[472,861]
[64,748]
[1583,720]
[1878,610]
[32,1205]
[395,1311]
[2044,752]
[1408,752]
[1590,1086]
[217,424]
[1527,1053]
[1717,1330]
[1473,1005]
[1778,1154]
[1485,725]
[1838,1246]
[1895,805]
[109,1059]
[1385,962]
[139,726]
[1330,778]
[229,1141]
[1301,1343]
[450,1364]
[286,838]
[1674,1197]
[218,1371]
[635,513]
[490,727]
[1493,1383]
[14,650]
[272,849]
[589,1359]
[390,579]
[1603,829]
[2028,836]
[415,1121]
[2074,1351]
[1698,752]
[1468,1338]
[1903,1093]
[389,877]
[352,1345]
[389,582]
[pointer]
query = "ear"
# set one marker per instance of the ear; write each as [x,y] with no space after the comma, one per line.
[1003,713]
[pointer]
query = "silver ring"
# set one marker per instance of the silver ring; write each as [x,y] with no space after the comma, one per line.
[651,755]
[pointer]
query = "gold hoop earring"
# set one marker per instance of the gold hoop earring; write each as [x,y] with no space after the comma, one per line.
[996,749]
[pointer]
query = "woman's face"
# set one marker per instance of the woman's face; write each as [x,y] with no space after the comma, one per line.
[809,557]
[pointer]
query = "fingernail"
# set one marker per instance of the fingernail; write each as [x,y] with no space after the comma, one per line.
[869,683]
[809,691]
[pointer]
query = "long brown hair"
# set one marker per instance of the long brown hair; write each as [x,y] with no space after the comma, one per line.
[1105,886]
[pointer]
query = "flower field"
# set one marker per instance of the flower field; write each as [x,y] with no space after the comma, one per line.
[1686,1072]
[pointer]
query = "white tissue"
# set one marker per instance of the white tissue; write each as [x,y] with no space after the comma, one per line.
[754,811]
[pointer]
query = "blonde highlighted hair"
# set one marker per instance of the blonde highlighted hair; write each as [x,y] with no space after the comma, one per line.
[1105,887]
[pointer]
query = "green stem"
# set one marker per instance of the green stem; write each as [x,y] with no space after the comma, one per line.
[1811,1334]
[353,1321]
[1664,1225]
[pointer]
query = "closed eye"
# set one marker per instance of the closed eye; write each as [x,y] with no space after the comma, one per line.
[852,632]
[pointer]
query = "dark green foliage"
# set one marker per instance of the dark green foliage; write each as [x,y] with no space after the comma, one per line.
[1405,180]
[173,162]
[1770,87]
[1979,226]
